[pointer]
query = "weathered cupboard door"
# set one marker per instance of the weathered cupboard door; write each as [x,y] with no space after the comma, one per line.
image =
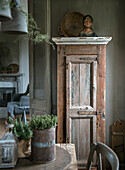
[40,85]
[81,92]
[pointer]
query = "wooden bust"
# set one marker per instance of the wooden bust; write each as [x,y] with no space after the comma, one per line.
[87,29]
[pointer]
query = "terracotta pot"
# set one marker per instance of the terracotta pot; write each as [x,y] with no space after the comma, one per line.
[4,71]
[24,148]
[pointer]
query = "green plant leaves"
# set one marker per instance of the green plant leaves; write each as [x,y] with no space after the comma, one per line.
[43,122]
[21,130]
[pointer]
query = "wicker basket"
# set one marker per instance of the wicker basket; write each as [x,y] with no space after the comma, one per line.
[15,68]
[71,24]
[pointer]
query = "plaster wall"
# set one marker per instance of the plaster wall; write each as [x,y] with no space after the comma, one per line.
[108,18]
[24,55]
[19,54]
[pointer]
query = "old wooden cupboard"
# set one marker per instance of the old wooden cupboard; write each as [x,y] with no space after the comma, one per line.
[81,64]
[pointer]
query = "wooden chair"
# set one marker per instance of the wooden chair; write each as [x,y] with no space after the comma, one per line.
[105,151]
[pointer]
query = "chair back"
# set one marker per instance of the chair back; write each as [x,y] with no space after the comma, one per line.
[24,101]
[105,151]
[27,90]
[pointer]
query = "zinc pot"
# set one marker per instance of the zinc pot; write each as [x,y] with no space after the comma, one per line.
[43,148]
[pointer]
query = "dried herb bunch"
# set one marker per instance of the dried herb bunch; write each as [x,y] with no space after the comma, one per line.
[43,122]
[34,32]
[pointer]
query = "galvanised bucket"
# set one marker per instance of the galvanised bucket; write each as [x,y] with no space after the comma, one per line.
[43,149]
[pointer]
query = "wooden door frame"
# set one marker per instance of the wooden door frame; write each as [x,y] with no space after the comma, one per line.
[44,105]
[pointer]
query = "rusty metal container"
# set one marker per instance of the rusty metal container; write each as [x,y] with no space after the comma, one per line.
[43,149]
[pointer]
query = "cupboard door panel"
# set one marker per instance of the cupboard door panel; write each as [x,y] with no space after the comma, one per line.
[75,83]
[81,83]
[85,81]
[83,134]
[81,92]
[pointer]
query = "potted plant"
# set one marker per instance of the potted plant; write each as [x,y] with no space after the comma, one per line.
[43,148]
[24,133]
[10,69]
[4,69]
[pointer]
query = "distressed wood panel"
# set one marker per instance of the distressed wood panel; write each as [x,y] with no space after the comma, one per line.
[81,120]
[75,135]
[75,84]
[85,85]
[118,140]
[81,58]
[101,93]
[83,133]
[61,94]
[81,49]
[81,82]
[81,90]
[85,136]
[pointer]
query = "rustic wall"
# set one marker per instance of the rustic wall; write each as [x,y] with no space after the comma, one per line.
[18,47]
[108,21]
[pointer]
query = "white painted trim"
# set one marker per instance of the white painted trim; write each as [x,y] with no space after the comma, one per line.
[81,40]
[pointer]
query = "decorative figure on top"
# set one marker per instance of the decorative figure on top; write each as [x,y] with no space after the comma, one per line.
[87,30]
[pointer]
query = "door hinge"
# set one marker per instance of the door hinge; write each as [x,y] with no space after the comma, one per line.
[98,58]
[67,140]
[100,113]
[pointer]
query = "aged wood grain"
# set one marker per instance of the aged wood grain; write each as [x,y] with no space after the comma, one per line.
[65,160]
[84,111]
[82,133]
[75,84]
[84,141]
[61,94]
[101,93]
[84,84]
[75,135]
[81,49]
[118,140]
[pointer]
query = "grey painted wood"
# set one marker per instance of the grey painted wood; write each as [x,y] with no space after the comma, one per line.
[47,82]
[40,74]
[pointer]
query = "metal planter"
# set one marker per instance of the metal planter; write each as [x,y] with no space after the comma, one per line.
[43,148]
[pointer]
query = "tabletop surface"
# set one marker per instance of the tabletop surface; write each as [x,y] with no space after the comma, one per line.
[65,160]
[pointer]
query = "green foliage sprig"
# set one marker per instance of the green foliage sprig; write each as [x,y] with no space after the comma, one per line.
[34,32]
[21,130]
[43,122]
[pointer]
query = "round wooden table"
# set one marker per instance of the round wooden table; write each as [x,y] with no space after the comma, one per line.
[63,160]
